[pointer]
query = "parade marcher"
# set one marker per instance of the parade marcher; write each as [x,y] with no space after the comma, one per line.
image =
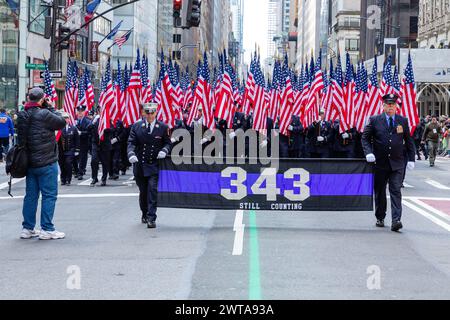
[320,138]
[417,136]
[344,143]
[149,141]
[83,123]
[239,126]
[6,133]
[431,139]
[38,133]
[101,152]
[69,148]
[118,135]
[384,140]
[297,139]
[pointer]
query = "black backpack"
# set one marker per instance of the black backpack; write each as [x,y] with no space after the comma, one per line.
[17,157]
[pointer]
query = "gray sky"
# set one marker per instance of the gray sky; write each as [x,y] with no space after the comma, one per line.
[255,28]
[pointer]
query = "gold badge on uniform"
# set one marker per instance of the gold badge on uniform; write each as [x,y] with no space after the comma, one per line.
[399,129]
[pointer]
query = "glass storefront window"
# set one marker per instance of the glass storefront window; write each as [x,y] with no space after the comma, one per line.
[8,57]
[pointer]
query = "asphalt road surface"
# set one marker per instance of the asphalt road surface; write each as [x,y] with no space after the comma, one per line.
[195,254]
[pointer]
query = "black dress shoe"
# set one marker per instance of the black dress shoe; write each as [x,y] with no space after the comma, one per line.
[396,226]
[103,184]
[115,177]
[63,183]
[380,223]
[144,220]
[151,224]
[94,182]
[80,178]
[68,184]
[124,173]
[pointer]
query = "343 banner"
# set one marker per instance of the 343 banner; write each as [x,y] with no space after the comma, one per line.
[296,185]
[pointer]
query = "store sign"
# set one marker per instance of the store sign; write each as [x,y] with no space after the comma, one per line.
[94,51]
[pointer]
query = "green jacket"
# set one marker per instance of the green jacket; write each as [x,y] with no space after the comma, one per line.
[432,132]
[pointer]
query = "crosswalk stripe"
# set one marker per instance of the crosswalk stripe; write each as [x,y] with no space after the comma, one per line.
[436,184]
[431,209]
[14,181]
[427,215]
[408,186]
[86,182]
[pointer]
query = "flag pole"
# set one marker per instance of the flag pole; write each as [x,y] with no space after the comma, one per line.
[109,33]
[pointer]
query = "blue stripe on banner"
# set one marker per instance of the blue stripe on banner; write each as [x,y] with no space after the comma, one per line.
[213,183]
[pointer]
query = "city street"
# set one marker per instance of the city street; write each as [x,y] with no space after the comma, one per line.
[195,254]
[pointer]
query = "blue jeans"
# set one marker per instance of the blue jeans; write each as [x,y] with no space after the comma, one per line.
[40,180]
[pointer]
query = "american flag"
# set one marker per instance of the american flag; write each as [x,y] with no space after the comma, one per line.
[349,93]
[90,97]
[196,97]
[50,90]
[120,94]
[274,101]
[224,106]
[331,113]
[108,102]
[338,97]
[134,93]
[374,103]
[315,92]
[81,91]
[208,113]
[69,102]
[165,104]
[287,99]
[387,82]
[260,109]
[249,95]
[361,101]
[146,93]
[121,40]
[408,92]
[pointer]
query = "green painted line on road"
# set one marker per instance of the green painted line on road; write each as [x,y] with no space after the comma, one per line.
[254,274]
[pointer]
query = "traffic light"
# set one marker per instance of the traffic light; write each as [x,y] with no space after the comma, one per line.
[177,6]
[63,32]
[194,13]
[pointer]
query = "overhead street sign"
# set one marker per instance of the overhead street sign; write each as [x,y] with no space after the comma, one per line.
[53,74]
[35,66]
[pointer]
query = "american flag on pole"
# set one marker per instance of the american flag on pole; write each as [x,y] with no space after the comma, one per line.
[69,102]
[361,102]
[197,97]
[331,113]
[205,88]
[338,97]
[315,92]
[90,96]
[121,40]
[260,110]
[165,104]
[134,93]
[287,99]
[409,96]
[50,90]
[224,106]
[108,102]
[387,82]
[349,93]
[374,103]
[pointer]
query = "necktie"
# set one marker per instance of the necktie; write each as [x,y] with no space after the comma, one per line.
[391,124]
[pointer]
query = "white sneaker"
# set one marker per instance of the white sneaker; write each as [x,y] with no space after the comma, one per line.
[28,234]
[51,235]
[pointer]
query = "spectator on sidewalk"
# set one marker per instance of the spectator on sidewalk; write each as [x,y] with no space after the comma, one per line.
[36,130]
[431,138]
[6,133]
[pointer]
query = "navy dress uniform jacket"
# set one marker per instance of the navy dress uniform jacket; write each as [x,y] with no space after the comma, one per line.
[69,141]
[146,147]
[388,147]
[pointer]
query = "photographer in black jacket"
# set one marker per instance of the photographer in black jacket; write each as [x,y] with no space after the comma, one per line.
[37,125]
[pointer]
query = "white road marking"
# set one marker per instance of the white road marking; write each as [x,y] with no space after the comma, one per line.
[86,183]
[408,185]
[427,198]
[13,182]
[437,184]
[431,209]
[239,229]
[83,196]
[427,215]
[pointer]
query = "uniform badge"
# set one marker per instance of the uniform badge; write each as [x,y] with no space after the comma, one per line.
[143,125]
[157,126]
[239,122]
[399,129]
